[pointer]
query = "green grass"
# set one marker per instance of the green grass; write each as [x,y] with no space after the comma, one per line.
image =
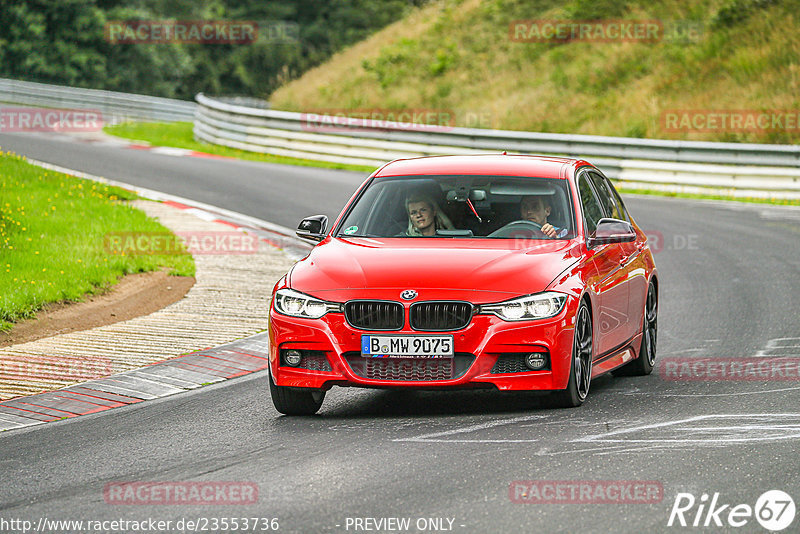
[457,55]
[52,229]
[708,196]
[179,135]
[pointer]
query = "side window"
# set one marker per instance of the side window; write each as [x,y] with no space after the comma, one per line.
[592,210]
[609,197]
[615,196]
[603,195]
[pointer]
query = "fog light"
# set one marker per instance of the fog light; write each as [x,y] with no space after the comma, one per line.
[536,360]
[292,357]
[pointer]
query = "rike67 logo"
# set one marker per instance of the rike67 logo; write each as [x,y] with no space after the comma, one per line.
[774,510]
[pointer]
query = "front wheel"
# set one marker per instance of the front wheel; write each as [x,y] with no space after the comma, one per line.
[580,373]
[295,401]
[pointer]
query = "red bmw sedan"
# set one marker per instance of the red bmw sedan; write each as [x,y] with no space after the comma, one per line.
[518,273]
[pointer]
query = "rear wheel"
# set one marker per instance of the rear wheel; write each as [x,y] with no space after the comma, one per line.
[580,374]
[643,365]
[295,401]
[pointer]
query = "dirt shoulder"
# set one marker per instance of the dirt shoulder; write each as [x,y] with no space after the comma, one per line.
[133,296]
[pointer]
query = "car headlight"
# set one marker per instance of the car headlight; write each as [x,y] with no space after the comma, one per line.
[539,306]
[296,304]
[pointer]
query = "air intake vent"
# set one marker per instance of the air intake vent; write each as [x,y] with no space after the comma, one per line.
[315,361]
[409,369]
[510,363]
[374,314]
[440,315]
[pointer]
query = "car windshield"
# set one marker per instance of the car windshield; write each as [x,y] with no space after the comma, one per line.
[498,207]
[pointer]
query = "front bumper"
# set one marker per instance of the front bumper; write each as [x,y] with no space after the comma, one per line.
[478,346]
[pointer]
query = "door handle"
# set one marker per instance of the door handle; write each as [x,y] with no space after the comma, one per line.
[623,260]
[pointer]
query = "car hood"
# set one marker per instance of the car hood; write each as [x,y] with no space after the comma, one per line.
[478,270]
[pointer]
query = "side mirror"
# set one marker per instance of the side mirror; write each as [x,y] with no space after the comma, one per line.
[612,231]
[313,227]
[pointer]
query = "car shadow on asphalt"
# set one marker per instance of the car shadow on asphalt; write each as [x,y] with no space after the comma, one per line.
[341,403]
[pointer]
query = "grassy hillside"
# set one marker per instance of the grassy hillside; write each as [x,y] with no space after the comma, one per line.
[457,55]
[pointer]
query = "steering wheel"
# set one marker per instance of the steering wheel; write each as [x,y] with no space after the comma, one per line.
[528,229]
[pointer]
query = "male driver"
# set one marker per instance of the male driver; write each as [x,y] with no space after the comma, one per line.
[536,208]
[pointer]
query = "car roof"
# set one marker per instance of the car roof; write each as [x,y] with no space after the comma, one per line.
[483,164]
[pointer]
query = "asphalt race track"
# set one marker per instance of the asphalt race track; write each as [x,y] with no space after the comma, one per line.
[729,279]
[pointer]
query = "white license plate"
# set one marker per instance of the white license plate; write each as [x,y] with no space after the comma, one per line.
[406,346]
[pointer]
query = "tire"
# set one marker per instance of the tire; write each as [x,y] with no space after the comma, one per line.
[644,364]
[580,369]
[295,401]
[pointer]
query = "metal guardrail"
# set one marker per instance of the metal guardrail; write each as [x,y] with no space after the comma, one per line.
[751,169]
[743,169]
[114,106]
